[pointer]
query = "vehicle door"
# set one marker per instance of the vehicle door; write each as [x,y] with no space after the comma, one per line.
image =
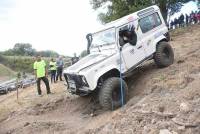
[132,48]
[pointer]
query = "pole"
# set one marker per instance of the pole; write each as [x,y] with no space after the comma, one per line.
[17,90]
[121,84]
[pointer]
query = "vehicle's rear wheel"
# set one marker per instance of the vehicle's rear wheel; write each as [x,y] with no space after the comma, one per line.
[110,96]
[164,55]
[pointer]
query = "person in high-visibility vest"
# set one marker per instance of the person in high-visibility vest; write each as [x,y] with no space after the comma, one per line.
[53,68]
[41,73]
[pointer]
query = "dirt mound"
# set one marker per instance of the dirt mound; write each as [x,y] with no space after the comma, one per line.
[163,100]
[5,73]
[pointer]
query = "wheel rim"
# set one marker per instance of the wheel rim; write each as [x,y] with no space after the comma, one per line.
[116,94]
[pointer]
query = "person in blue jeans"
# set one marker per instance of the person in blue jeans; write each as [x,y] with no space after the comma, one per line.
[60,65]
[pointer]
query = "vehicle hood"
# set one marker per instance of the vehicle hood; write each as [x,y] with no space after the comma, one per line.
[87,61]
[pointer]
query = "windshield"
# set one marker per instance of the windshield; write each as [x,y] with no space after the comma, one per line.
[102,38]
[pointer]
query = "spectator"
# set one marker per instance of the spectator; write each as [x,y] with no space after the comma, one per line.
[59,64]
[186,19]
[198,16]
[192,17]
[176,23]
[181,20]
[41,73]
[52,66]
[172,24]
[74,59]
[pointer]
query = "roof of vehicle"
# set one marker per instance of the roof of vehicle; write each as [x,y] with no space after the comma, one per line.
[129,18]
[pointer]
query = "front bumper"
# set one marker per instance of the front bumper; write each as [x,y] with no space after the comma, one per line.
[76,85]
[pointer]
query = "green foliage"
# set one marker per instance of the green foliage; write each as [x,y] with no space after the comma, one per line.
[6,72]
[120,8]
[48,53]
[83,53]
[18,63]
[25,49]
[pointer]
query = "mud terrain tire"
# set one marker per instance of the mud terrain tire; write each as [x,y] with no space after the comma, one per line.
[110,93]
[164,55]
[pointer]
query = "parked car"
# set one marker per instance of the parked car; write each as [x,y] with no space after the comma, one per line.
[3,89]
[12,87]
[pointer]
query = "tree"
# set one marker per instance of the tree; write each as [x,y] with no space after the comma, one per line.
[83,53]
[119,8]
[24,49]
[48,53]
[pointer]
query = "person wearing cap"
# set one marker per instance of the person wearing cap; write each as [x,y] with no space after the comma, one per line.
[52,65]
[59,64]
[41,73]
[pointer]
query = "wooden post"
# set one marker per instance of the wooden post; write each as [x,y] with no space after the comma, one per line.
[17,83]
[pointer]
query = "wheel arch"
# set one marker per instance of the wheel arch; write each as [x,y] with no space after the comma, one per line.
[111,73]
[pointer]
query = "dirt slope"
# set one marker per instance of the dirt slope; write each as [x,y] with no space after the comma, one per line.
[161,100]
[5,73]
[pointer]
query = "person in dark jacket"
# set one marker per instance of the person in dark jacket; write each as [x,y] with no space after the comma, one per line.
[186,19]
[176,23]
[172,24]
[74,59]
[181,20]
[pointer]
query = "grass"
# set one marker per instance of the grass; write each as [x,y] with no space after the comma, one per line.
[6,73]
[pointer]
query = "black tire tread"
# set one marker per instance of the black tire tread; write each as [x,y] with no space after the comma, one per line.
[158,55]
[106,91]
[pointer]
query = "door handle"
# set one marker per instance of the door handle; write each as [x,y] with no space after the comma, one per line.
[139,47]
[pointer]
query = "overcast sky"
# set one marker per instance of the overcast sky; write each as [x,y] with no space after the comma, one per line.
[59,25]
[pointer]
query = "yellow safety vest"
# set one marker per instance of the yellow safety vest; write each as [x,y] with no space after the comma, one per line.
[52,65]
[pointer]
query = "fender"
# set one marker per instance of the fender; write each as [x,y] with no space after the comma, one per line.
[93,79]
[157,40]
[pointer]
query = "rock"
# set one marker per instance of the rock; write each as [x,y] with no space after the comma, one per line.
[181,128]
[173,132]
[161,109]
[153,121]
[184,107]
[26,124]
[165,131]
[145,130]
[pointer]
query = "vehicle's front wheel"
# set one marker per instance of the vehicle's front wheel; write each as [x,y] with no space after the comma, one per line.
[164,55]
[110,96]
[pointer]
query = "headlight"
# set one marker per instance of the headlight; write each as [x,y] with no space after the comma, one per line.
[13,86]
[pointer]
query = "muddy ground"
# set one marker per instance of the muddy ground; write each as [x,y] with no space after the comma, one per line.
[165,101]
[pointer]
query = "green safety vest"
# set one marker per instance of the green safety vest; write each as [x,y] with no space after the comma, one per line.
[40,68]
[52,65]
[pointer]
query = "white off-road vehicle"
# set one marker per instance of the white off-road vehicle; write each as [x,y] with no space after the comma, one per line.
[138,37]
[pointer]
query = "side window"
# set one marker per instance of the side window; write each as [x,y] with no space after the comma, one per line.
[149,22]
[127,34]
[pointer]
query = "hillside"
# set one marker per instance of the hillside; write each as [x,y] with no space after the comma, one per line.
[6,73]
[163,100]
